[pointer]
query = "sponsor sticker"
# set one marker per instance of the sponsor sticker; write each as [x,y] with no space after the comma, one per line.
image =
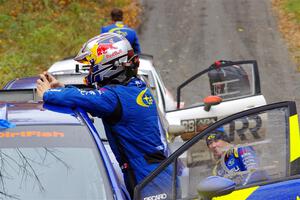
[157,197]
[27,134]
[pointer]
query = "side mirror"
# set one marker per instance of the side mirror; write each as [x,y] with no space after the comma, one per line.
[211,101]
[214,186]
[175,130]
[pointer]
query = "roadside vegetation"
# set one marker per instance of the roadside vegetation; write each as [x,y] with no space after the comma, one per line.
[36,33]
[288,12]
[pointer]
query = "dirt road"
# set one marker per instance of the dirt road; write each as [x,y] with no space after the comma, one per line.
[187,35]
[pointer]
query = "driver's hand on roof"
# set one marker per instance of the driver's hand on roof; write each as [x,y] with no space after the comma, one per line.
[53,82]
[42,85]
[46,82]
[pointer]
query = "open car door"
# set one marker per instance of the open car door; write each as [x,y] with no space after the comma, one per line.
[224,88]
[275,152]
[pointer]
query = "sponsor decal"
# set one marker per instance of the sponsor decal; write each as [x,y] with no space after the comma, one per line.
[157,197]
[240,127]
[197,125]
[99,50]
[31,134]
[231,162]
[114,54]
[84,93]
[121,32]
[102,48]
[55,90]
[138,83]
[143,99]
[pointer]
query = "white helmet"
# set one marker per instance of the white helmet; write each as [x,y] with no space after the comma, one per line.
[111,58]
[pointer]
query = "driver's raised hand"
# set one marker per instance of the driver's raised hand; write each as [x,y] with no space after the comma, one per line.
[42,85]
[54,83]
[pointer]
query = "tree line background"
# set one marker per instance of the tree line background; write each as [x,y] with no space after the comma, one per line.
[34,34]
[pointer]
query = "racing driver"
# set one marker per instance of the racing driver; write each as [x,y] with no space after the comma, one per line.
[124,103]
[238,163]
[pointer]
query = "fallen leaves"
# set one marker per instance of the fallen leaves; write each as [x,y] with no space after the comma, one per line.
[289,28]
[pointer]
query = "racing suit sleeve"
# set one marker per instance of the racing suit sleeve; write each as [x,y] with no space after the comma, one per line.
[248,158]
[250,163]
[99,103]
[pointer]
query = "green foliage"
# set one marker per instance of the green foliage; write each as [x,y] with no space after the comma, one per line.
[293,6]
[34,34]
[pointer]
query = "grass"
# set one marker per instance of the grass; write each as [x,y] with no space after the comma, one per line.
[288,12]
[34,34]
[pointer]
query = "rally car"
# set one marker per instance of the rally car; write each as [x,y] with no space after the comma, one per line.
[222,89]
[52,152]
[275,151]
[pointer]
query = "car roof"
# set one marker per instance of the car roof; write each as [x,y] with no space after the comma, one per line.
[68,66]
[22,83]
[65,72]
[29,113]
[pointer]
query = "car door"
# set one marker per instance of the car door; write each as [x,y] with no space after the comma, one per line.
[272,133]
[237,83]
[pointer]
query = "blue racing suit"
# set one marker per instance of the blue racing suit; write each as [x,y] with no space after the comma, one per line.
[239,164]
[127,32]
[131,122]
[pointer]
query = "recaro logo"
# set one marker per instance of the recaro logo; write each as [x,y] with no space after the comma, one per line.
[157,197]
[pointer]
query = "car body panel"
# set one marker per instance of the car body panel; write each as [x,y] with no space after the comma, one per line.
[194,117]
[21,83]
[282,190]
[276,144]
[23,113]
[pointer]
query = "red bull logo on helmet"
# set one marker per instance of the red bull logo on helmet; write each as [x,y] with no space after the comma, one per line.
[101,51]
[102,48]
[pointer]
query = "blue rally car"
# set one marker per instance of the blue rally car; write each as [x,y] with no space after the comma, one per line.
[253,155]
[49,152]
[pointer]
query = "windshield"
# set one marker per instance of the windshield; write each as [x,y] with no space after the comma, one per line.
[229,82]
[51,162]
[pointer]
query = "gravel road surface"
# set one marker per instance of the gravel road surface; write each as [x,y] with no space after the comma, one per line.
[187,35]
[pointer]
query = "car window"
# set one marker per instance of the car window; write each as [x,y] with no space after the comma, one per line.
[51,162]
[257,152]
[228,82]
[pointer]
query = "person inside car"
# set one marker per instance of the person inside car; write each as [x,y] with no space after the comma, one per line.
[119,27]
[124,103]
[235,162]
[229,81]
